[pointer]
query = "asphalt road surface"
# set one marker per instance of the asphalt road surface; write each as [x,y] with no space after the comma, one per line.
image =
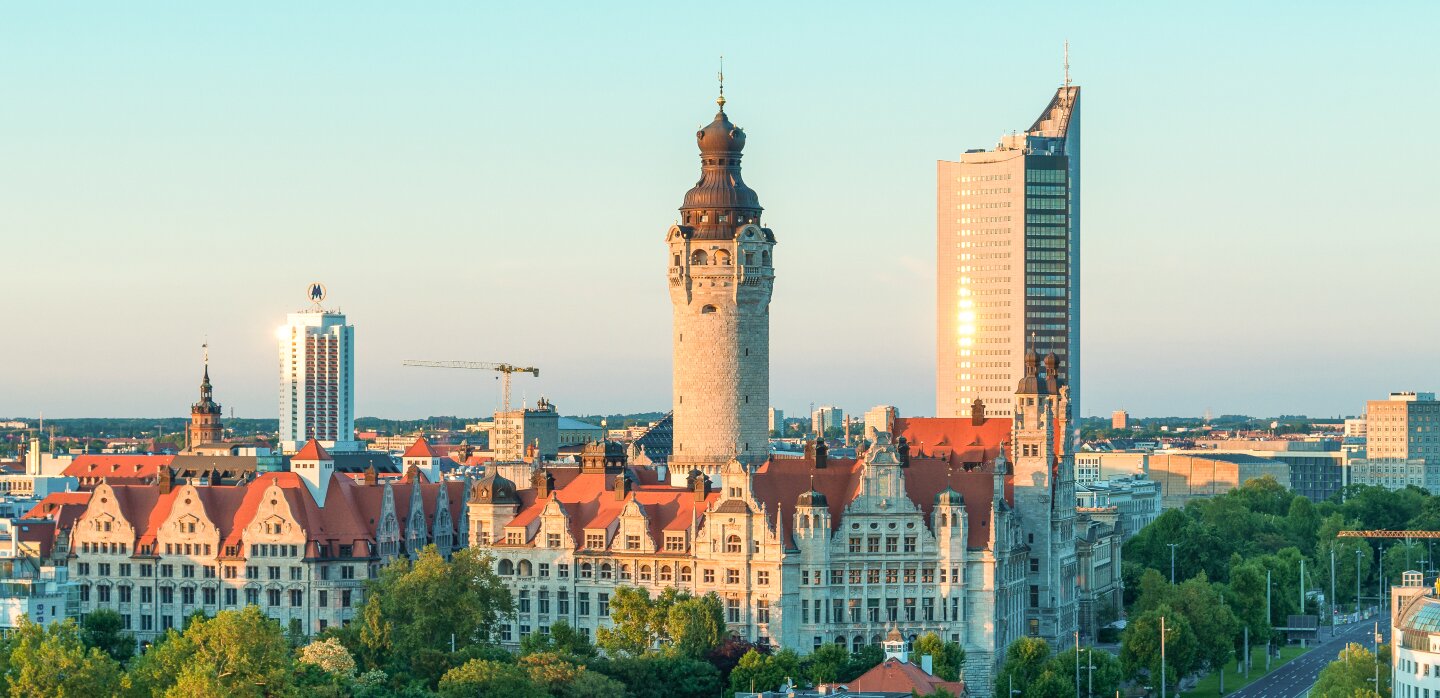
[1295,678]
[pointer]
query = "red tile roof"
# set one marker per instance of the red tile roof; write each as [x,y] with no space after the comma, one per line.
[780,481]
[895,676]
[63,507]
[90,469]
[37,535]
[312,451]
[954,439]
[590,502]
[421,449]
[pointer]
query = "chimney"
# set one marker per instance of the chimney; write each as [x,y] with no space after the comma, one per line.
[622,486]
[699,485]
[822,452]
[927,664]
[903,448]
[165,479]
[977,413]
[543,483]
[371,477]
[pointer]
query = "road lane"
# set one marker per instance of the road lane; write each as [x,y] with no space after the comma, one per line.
[1295,678]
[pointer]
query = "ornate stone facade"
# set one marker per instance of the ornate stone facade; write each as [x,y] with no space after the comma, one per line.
[299,545]
[957,526]
[721,273]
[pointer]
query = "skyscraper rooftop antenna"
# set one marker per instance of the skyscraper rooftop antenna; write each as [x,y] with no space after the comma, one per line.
[721,77]
[1067,64]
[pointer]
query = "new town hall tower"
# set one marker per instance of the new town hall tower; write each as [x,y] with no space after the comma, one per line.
[721,275]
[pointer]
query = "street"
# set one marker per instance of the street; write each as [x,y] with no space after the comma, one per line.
[1299,675]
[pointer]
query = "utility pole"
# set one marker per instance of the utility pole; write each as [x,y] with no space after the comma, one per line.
[1172,562]
[1269,620]
[1302,594]
[1077,664]
[1358,555]
[1332,591]
[1162,656]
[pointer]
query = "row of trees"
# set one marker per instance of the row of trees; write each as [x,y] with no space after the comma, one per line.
[429,627]
[1033,670]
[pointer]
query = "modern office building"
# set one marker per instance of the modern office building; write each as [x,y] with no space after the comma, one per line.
[777,421]
[1405,426]
[317,379]
[720,275]
[1119,419]
[1008,256]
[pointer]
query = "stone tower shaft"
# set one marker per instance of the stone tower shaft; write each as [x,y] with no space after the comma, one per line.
[721,275]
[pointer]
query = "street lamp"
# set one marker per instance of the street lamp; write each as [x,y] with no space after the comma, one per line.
[1172,561]
[1358,555]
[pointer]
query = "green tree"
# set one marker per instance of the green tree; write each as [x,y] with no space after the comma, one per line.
[1140,645]
[484,677]
[413,611]
[55,662]
[1214,624]
[760,672]
[824,664]
[654,676]
[563,639]
[1103,679]
[861,661]
[1025,661]
[104,629]
[673,623]
[1352,674]
[236,653]
[1401,558]
[948,657]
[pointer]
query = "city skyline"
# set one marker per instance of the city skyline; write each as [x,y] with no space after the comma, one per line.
[155,228]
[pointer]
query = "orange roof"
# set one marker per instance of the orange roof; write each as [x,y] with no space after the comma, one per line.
[590,502]
[312,451]
[954,439]
[63,507]
[421,449]
[91,468]
[895,676]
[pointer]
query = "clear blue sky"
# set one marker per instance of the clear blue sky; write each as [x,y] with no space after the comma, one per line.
[493,182]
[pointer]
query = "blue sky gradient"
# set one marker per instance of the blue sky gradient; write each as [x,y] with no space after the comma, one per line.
[492,181]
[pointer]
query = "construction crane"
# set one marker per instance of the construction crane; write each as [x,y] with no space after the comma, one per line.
[505,371]
[1407,535]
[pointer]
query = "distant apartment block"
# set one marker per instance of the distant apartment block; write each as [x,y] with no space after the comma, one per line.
[1119,419]
[777,421]
[1187,476]
[1402,443]
[881,418]
[317,381]
[827,417]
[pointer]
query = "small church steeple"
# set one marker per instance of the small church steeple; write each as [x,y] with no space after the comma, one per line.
[205,426]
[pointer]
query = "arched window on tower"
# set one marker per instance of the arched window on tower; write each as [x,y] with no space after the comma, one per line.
[698,257]
[707,310]
[722,257]
[732,544]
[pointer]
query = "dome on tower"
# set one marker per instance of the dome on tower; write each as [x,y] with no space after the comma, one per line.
[949,497]
[493,489]
[721,137]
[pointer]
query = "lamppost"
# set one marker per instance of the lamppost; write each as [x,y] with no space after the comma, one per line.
[1172,561]
[1358,555]
[1162,657]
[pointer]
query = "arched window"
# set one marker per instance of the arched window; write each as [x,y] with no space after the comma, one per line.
[665,573]
[722,257]
[587,570]
[685,574]
[506,567]
[625,572]
[606,572]
[644,573]
[523,568]
[765,258]
[707,310]
[875,640]
[859,643]
[698,257]
[732,544]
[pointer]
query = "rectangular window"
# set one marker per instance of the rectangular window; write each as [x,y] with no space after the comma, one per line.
[552,540]
[632,542]
[762,578]
[732,576]
[892,544]
[544,568]
[603,600]
[854,544]
[909,544]
[732,610]
[232,597]
[582,602]
[709,576]
[872,544]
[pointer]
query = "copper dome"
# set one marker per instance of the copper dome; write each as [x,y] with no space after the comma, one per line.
[720,137]
[720,200]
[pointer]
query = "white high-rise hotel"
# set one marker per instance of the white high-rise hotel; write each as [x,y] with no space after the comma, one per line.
[317,379]
[1008,256]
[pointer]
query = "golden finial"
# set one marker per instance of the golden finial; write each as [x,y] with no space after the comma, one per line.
[721,76]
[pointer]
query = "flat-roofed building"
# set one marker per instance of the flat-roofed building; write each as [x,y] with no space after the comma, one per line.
[1008,262]
[1186,476]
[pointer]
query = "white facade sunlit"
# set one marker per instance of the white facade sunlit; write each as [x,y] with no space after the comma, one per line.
[317,381]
